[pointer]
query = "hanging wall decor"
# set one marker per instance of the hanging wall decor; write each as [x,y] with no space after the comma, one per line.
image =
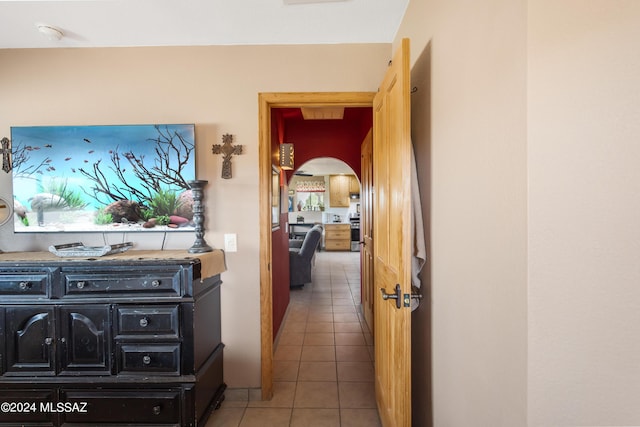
[227,150]
[5,151]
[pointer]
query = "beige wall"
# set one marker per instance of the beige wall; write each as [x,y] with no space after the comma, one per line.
[584,212]
[217,89]
[534,210]
[478,187]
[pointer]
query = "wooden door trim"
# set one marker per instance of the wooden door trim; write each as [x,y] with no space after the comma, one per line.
[266,101]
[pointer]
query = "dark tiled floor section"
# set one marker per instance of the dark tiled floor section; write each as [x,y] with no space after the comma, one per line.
[323,360]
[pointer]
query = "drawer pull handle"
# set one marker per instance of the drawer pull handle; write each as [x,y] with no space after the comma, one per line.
[144,322]
[155,283]
[48,341]
[157,409]
[25,285]
[146,359]
[81,285]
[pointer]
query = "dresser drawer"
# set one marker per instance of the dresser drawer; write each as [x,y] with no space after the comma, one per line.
[148,407]
[151,321]
[339,234]
[22,407]
[337,245]
[337,227]
[149,281]
[143,358]
[25,284]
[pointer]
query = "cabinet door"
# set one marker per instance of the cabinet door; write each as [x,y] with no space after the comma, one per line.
[354,185]
[338,191]
[85,340]
[29,341]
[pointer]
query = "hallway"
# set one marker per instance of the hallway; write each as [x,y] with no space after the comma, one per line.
[323,361]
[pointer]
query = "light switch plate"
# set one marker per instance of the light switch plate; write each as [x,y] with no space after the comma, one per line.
[230,242]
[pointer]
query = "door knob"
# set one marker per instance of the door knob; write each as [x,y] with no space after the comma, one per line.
[396,296]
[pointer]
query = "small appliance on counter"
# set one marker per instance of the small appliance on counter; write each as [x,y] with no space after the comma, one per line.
[337,218]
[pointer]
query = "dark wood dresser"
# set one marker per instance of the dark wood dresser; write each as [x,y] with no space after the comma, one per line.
[126,339]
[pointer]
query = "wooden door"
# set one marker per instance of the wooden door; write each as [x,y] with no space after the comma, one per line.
[392,249]
[366,229]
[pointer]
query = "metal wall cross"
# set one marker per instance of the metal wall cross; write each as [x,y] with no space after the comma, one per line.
[6,154]
[227,150]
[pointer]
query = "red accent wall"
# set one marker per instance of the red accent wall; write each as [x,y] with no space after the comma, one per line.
[339,139]
[280,274]
[279,241]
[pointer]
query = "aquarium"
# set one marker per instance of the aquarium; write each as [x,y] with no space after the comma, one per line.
[103,178]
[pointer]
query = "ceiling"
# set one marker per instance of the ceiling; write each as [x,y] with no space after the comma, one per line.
[119,23]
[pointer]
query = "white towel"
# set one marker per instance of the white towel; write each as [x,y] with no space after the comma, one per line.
[419,255]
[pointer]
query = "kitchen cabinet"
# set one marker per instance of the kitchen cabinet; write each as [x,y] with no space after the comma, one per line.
[354,185]
[132,338]
[340,189]
[337,237]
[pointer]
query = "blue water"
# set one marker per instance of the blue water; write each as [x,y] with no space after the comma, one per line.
[57,153]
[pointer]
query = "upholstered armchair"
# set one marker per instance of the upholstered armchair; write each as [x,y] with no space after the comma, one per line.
[301,258]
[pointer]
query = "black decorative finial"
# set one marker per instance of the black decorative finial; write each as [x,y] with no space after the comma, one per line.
[200,245]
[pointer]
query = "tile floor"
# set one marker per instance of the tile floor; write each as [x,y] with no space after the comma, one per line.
[323,360]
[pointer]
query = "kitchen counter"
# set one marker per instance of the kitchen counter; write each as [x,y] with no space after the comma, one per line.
[297,230]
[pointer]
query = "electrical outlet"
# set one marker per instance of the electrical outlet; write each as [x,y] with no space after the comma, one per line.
[230,243]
